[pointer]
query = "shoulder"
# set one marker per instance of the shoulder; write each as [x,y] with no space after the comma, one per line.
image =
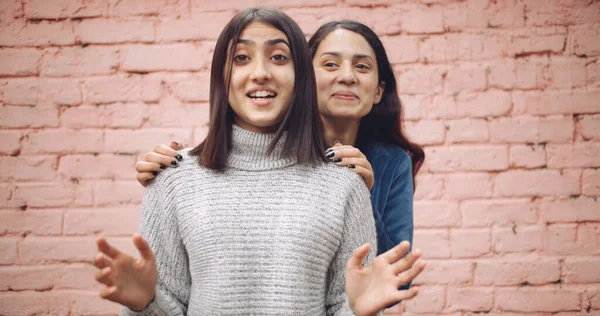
[392,156]
[187,170]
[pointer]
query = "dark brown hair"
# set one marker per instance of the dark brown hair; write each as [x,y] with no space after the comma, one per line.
[302,122]
[384,122]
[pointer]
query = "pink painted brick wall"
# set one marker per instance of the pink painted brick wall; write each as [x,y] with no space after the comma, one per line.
[503,94]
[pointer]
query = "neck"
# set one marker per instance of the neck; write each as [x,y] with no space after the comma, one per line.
[342,130]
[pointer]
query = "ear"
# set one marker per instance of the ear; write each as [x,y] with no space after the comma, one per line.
[379,92]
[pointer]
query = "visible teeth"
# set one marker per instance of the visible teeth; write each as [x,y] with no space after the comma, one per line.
[262,94]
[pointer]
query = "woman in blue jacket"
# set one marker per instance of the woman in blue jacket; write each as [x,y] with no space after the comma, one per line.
[360,108]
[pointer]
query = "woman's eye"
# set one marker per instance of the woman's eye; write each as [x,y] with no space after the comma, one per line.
[241,58]
[330,65]
[279,57]
[361,66]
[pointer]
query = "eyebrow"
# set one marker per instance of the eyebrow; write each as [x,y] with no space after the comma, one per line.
[271,42]
[358,56]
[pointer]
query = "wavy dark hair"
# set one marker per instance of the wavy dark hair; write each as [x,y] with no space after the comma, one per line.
[302,122]
[384,122]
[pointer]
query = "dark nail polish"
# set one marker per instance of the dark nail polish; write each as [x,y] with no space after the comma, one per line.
[179,157]
[330,154]
[155,173]
[337,160]
[328,150]
[163,167]
[351,166]
[174,162]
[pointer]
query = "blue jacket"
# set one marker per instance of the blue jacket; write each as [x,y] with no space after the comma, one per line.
[391,195]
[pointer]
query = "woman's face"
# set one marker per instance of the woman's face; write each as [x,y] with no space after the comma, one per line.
[262,78]
[347,75]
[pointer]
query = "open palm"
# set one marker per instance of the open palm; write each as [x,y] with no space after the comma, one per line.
[373,287]
[129,281]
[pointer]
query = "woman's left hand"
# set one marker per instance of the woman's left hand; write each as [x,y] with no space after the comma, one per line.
[373,287]
[354,159]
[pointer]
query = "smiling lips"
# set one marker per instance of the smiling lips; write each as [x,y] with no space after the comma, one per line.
[261,96]
[345,95]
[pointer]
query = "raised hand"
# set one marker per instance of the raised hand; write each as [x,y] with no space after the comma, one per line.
[353,158]
[129,281]
[373,287]
[155,161]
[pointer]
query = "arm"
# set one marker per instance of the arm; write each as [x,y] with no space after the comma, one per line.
[159,227]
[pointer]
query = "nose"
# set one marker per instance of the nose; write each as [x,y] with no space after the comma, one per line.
[347,75]
[260,72]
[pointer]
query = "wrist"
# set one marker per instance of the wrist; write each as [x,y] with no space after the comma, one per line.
[144,305]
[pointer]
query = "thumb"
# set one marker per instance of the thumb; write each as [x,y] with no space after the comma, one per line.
[337,143]
[175,145]
[143,247]
[358,255]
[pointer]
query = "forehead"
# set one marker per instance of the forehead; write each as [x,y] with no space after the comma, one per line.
[345,42]
[260,32]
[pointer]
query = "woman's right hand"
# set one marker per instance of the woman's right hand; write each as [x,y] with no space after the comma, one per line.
[130,282]
[155,161]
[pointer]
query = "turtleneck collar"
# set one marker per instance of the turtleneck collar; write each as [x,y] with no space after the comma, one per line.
[249,151]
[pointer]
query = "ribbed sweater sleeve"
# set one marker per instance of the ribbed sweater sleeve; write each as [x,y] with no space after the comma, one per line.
[359,228]
[159,227]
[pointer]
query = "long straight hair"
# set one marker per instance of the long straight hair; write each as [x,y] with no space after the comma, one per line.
[302,123]
[384,122]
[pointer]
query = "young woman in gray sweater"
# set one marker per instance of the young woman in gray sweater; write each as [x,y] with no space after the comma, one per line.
[254,221]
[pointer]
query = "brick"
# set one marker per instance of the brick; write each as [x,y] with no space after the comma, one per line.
[490,103]
[34,303]
[462,186]
[512,272]
[565,73]
[201,26]
[470,299]
[433,243]
[57,9]
[520,183]
[570,210]
[77,276]
[192,89]
[430,214]
[423,20]
[591,182]
[527,156]
[426,132]
[84,192]
[526,129]
[10,10]
[591,295]
[82,116]
[537,44]
[199,134]
[71,141]
[582,270]
[420,79]
[466,158]
[7,199]
[128,115]
[207,5]
[37,222]
[541,12]
[590,127]
[524,73]
[443,48]
[83,303]
[446,272]
[10,140]
[183,57]
[114,89]
[188,115]
[401,49]
[25,116]
[444,107]
[28,168]
[554,102]
[518,239]
[567,239]
[80,62]
[44,33]
[429,186]
[593,74]
[97,166]
[465,78]
[8,250]
[111,31]
[48,194]
[506,14]
[583,40]
[452,47]
[468,243]
[414,107]
[498,213]
[431,299]
[573,155]
[537,300]
[140,141]
[108,193]
[43,278]
[33,91]
[101,221]
[19,61]
[149,8]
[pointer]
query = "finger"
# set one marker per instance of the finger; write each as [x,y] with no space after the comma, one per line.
[107,249]
[406,294]
[406,262]
[161,159]
[347,153]
[101,261]
[102,276]
[358,255]
[337,143]
[410,274]
[366,174]
[108,292]
[175,145]
[144,177]
[145,166]
[143,247]
[397,252]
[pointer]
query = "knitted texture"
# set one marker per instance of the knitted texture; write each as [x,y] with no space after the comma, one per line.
[266,236]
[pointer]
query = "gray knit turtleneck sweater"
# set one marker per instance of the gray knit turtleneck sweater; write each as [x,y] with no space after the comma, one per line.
[267,236]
